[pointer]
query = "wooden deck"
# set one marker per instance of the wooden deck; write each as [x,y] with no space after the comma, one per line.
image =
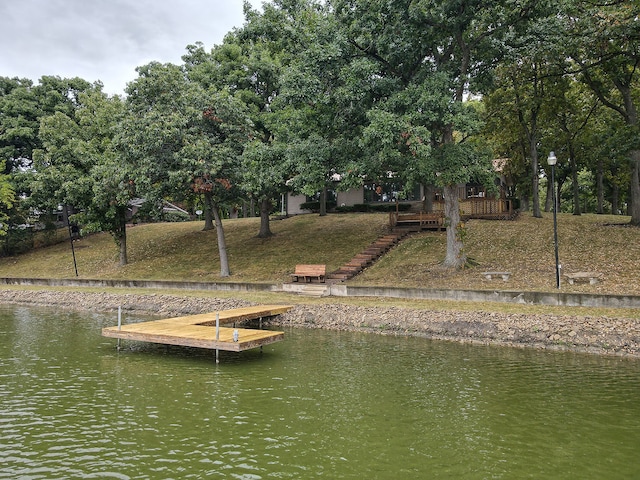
[419,221]
[200,330]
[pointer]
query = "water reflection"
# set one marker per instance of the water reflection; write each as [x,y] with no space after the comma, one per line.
[320,404]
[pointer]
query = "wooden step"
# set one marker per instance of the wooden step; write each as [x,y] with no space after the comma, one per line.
[311,290]
[368,256]
[351,267]
[386,242]
[339,276]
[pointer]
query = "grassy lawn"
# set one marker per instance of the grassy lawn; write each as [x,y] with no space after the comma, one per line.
[524,247]
[182,251]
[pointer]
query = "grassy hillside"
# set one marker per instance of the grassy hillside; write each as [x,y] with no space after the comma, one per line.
[182,251]
[524,247]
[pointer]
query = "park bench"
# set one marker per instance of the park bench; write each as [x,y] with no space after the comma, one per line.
[490,275]
[591,277]
[309,272]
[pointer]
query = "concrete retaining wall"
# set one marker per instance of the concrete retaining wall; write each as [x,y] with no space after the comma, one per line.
[342,290]
[159,284]
[531,298]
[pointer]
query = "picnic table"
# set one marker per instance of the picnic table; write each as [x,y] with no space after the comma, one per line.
[591,277]
[309,272]
[490,275]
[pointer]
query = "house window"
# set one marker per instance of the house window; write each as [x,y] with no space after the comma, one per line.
[389,192]
[475,191]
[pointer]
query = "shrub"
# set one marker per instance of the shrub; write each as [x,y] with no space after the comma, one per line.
[175,217]
[19,239]
[315,206]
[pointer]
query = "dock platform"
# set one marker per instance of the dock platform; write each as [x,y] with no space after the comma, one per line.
[200,330]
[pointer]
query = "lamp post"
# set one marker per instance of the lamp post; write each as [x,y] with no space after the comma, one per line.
[552,160]
[73,252]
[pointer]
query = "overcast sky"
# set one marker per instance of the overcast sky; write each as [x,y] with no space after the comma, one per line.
[107,39]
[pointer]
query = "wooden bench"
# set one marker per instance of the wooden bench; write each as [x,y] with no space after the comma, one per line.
[489,275]
[591,277]
[309,272]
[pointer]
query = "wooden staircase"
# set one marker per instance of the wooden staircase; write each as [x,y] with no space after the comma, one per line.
[367,257]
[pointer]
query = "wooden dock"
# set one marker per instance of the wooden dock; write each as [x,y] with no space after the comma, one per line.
[201,331]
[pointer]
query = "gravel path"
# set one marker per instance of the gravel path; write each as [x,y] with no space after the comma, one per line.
[608,336]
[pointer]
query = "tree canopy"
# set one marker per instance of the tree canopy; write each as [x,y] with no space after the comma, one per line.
[307,91]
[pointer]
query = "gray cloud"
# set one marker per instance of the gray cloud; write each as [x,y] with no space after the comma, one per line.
[107,39]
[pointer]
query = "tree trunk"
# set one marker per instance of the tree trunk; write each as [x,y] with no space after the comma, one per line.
[265,210]
[323,201]
[574,180]
[634,201]
[615,199]
[120,236]
[123,249]
[208,211]
[222,244]
[560,182]
[535,183]
[600,186]
[429,191]
[455,257]
[548,196]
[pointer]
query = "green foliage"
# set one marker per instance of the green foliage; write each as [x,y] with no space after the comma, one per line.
[7,200]
[175,217]
[79,166]
[18,239]
[373,207]
[308,91]
[315,206]
[181,137]
[23,105]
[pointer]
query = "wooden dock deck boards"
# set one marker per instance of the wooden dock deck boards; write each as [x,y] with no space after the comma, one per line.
[200,330]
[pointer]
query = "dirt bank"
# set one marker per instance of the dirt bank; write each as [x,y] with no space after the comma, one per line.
[610,336]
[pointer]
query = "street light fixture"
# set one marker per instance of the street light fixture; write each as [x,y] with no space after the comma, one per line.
[73,252]
[552,160]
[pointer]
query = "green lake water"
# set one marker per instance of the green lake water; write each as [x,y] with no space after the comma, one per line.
[321,404]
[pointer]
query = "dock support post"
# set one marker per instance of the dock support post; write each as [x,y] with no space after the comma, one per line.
[119,324]
[217,336]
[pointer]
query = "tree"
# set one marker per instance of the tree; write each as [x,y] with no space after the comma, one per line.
[525,87]
[507,136]
[428,55]
[7,199]
[248,64]
[570,107]
[311,119]
[23,104]
[107,207]
[602,40]
[606,147]
[79,166]
[182,137]
[19,122]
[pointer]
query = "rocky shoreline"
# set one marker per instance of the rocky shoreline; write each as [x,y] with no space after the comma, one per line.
[597,335]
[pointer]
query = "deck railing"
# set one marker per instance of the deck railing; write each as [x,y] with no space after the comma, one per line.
[480,207]
[490,208]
